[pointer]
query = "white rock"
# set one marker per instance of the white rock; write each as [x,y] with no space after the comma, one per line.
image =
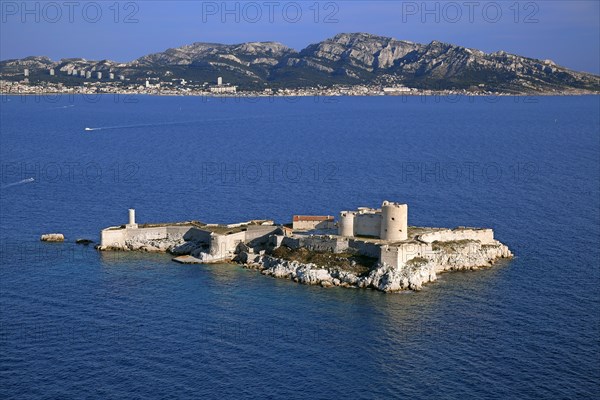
[53,237]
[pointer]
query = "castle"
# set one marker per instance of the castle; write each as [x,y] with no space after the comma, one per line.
[381,233]
[314,249]
[390,222]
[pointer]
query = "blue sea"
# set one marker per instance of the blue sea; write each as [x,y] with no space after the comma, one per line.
[75,323]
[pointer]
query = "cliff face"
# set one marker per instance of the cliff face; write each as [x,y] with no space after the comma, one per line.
[347,58]
[410,276]
[361,57]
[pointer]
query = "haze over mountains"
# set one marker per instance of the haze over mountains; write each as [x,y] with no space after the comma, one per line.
[347,58]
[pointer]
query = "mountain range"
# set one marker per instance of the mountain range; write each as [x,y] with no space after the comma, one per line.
[345,59]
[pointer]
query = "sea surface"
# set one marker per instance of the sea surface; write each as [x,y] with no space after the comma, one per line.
[75,323]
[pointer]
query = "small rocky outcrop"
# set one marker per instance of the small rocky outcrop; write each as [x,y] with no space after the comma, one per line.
[52,237]
[84,242]
[187,260]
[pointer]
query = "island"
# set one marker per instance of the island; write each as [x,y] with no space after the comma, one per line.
[365,248]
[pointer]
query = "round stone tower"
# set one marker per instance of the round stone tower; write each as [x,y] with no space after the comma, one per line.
[346,225]
[394,221]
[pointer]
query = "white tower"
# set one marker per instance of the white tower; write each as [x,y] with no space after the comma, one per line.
[394,221]
[26,72]
[219,81]
[131,224]
[99,75]
[346,224]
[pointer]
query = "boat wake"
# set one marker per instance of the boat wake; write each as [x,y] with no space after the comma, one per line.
[159,124]
[62,107]
[28,180]
[104,128]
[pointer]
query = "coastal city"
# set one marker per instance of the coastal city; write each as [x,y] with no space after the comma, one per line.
[183,88]
[96,82]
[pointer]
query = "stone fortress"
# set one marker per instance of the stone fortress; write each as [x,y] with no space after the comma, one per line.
[403,256]
[208,242]
[390,222]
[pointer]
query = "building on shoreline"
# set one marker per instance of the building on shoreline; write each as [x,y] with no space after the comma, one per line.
[221,88]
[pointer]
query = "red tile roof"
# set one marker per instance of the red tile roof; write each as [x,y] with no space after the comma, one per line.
[313,218]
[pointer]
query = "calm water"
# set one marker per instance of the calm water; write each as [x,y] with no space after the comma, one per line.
[78,324]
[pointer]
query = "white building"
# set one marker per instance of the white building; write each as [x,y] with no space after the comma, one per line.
[396,89]
[223,89]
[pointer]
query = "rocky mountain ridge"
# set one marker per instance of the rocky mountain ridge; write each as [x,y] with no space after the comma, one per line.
[345,59]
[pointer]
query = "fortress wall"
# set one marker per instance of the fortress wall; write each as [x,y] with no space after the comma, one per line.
[258,231]
[365,248]
[197,235]
[292,243]
[117,238]
[311,225]
[224,245]
[114,238]
[276,240]
[341,246]
[367,225]
[396,256]
[326,225]
[485,236]
[318,243]
[145,234]
[389,255]
[177,232]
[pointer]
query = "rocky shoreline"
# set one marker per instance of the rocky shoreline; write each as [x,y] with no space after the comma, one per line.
[367,248]
[416,272]
[457,256]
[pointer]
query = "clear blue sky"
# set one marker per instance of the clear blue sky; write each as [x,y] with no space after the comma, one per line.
[567,32]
